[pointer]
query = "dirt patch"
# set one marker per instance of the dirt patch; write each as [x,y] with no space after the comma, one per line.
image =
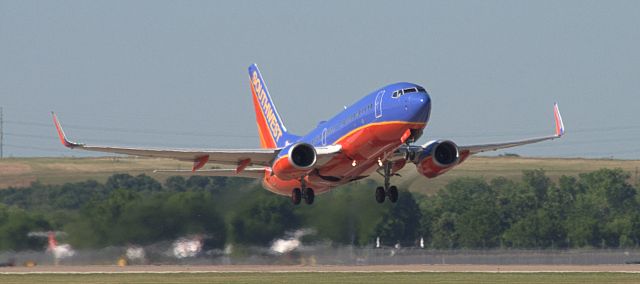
[77,167]
[14,169]
[15,175]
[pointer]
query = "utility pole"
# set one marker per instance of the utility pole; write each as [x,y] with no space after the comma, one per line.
[1,135]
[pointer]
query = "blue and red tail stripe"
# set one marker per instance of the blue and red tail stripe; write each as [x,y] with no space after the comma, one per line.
[559,123]
[271,129]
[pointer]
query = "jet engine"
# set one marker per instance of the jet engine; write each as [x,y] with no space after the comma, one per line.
[298,162]
[437,157]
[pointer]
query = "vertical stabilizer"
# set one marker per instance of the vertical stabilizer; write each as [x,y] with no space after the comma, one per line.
[271,129]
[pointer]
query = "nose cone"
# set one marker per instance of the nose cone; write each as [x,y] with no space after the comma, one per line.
[419,106]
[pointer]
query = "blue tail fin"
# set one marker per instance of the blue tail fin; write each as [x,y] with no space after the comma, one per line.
[271,129]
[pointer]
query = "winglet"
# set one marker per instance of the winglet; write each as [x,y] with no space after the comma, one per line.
[61,135]
[558,117]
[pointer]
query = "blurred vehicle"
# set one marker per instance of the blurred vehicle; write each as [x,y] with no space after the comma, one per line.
[58,251]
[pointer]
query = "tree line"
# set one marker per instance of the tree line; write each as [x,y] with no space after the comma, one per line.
[597,209]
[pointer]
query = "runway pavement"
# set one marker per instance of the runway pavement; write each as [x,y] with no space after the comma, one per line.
[87,269]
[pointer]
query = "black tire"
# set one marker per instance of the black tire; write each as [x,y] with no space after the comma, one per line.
[380,194]
[393,194]
[309,196]
[296,196]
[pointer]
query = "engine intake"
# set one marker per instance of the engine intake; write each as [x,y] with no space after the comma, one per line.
[299,162]
[437,158]
[302,156]
[445,153]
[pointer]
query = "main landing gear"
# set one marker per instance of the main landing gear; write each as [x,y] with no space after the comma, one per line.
[306,193]
[387,190]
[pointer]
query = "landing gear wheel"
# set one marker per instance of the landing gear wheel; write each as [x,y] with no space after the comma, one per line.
[309,196]
[380,194]
[393,194]
[296,196]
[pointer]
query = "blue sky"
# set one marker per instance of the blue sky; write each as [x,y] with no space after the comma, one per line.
[174,73]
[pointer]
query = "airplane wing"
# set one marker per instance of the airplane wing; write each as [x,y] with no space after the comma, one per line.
[474,149]
[256,173]
[241,158]
[439,156]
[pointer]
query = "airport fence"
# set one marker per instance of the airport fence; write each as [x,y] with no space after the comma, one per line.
[322,255]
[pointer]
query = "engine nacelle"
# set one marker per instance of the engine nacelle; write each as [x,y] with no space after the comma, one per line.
[437,158]
[298,162]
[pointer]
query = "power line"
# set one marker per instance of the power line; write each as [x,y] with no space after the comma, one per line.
[136,131]
[217,134]
[24,135]
[36,148]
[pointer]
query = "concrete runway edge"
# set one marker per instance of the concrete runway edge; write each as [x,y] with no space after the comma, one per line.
[109,269]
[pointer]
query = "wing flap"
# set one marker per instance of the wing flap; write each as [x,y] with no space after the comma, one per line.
[224,157]
[256,173]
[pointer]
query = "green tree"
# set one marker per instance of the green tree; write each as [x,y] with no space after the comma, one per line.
[514,201]
[198,182]
[612,186]
[468,215]
[15,225]
[168,217]
[402,222]
[604,210]
[263,220]
[538,183]
[95,227]
[176,183]
[345,215]
[536,230]
[138,183]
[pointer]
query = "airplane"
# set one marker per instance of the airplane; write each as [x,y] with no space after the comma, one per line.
[375,134]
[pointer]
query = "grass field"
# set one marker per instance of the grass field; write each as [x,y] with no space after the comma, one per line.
[23,171]
[512,167]
[327,277]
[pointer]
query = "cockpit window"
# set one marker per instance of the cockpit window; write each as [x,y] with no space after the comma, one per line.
[399,93]
[409,90]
